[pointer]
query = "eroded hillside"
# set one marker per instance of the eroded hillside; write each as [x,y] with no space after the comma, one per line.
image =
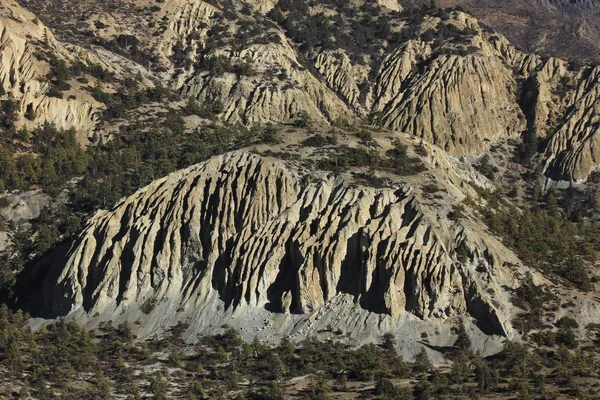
[295,168]
[433,73]
[242,234]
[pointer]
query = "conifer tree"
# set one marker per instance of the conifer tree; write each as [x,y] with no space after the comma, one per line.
[422,363]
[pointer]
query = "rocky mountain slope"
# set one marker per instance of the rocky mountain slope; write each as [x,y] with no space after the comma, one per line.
[22,74]
[559,28]
[378,151]
[420,87]
[409,71]
[223,240]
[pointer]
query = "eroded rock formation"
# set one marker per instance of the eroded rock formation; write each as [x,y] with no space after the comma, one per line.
[460,87]
[22,75]
[240,233]
[258,99]
[573,151]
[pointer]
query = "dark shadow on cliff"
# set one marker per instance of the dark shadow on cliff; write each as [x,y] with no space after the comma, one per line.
[286,282]
[445,350]
[30,293]
[485,316]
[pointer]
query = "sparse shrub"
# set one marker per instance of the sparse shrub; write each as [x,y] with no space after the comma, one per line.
[422,363]
[269,135]
[457,213]
[302,119]
[148,306]
[430,188]
[319,141]
[486,168]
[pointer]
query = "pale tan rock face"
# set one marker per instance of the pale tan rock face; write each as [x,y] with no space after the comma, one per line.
[458,104]
[548,107]
[391,4]
[459,100]
[574,150]
[344,78]
[240,232]
[63,113]
[263,6]
[16,63]
[258,99]
[564,109]
[22,76]
[395,69]
[185,18]
[461,97]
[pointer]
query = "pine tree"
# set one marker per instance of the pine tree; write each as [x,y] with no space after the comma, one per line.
[423,389]
[463,342]
[158,387]
[318,390]
[389,342]
[176,357]
[460,369]
[222,354]
[523,392]
[13,354]
[103,386]
[422,363]
[277,368]
[486,379]
[537,195]
[195,391]
[552,201]
[258,348]
[286,348]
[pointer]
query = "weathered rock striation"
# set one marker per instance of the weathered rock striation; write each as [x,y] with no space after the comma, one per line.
[449,80]
[22,75]
[461,91]
[258,98]
[225,239]
[185,18]
[345,79]
[391,4]
[458,104]
[573,151]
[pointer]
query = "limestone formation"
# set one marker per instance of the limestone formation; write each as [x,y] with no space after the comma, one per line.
[185,18]
[396,69]
[345,79]
[23,207]
[258,99]
[22,76]
[270,247]
[561,104]
[573,152]
[462,94]
[457,101]
[263,6]
[240,233]
[459,87]
[459,104]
